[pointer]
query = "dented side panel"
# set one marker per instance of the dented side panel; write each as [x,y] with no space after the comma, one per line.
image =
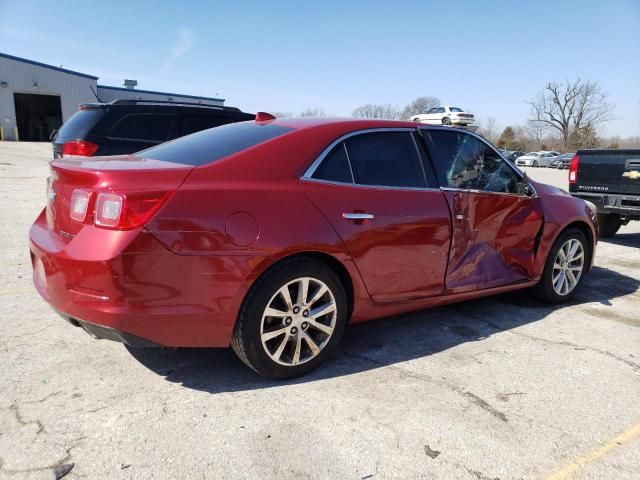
[493,241]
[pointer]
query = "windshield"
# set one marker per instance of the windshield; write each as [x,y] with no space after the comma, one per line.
[209,145]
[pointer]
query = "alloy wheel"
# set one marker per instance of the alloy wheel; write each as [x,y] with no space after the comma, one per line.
[298,321]
[568,267]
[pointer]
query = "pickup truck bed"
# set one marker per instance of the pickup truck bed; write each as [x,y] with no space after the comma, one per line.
[611,180]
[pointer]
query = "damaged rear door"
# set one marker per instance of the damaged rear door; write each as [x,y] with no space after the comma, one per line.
[494,228]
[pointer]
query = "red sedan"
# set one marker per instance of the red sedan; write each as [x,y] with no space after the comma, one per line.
[270,236]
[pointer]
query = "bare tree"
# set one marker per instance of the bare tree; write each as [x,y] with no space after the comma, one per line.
[371,110]
[536,131]
[489,129]
[282,114]
[313,112]
[420,105]
[570,107]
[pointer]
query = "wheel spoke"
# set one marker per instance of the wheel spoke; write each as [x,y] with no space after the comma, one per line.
[319,293]
[573,248]
[327,330]
[266,336]
[296,353]
[303,291]
[559,281]
[278,353]
[322,310]
[576,257]
[272,312]
[561,254]
[286,296]
[312,345]
[571,278]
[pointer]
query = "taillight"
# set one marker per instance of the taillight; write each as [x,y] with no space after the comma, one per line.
[573,170]
[127,211]
[81,148]
[79,205]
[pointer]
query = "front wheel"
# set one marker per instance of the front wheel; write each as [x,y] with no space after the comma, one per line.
[292,319]
[565,268]
[535,163]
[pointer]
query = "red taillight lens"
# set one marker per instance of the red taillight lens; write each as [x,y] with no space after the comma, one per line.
[80,148]
[127,211]
[79,205]
[573,170]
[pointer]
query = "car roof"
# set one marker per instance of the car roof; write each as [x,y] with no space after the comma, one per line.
[305,123]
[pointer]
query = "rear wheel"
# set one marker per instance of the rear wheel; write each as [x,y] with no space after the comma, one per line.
[292,319]
[446,121]
[565,268]
[609,224]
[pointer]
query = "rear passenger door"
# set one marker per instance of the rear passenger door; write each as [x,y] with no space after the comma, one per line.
[494,227]
[393,219]
[137,131]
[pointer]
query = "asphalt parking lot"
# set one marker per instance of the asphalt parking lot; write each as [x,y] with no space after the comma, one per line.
[498,388]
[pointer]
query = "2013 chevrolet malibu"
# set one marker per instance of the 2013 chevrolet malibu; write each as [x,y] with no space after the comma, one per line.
[270,236]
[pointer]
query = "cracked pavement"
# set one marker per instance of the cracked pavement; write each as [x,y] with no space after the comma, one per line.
[498,388]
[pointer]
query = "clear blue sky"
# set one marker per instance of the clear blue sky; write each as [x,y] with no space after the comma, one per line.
[486,56]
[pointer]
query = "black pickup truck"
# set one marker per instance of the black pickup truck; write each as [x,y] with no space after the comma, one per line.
[611,180]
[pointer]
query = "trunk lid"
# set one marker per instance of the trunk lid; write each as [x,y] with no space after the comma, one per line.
[104,174]
[608,171]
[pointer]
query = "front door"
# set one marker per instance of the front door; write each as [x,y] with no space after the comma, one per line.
[373,190]
[494,227]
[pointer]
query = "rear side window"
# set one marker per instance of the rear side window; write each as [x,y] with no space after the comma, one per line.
[195,123]
[210,145]
[385,159]
[144,126]
[335,166]
[79,125]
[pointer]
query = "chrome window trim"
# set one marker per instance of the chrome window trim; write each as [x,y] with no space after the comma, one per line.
[518,172]
[308,174]
[377,187]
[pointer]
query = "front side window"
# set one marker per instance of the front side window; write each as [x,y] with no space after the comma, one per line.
[144,126]
[463,161]
[385,159]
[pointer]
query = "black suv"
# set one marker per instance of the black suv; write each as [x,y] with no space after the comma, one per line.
[127,126]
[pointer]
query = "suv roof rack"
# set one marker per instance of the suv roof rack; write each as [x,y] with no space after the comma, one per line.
[133,101]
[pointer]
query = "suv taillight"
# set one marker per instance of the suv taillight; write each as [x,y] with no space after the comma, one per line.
[81,148]
[573,170]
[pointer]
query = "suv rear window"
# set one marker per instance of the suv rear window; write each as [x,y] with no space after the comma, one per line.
[210,145]
[78,125]
[144,126]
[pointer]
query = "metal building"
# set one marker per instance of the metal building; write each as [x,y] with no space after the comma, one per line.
[36,98]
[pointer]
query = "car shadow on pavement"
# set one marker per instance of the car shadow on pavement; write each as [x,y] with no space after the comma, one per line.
[624,239]
[388,341]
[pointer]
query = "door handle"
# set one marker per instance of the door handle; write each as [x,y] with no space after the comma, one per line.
[357,216]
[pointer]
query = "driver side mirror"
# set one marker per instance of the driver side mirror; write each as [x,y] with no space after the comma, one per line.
[524,187]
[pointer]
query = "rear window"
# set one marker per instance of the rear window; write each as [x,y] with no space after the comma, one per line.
[455,109]
[211,145]
[79,125]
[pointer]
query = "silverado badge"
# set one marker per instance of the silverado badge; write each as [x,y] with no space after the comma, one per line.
[633,174]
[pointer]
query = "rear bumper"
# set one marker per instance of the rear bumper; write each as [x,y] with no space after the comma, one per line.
[628,205]
[127,286]
[100,332]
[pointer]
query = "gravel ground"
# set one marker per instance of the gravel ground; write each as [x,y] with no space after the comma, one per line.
[499,388]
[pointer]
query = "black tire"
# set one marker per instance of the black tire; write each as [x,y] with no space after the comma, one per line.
[535,163]
[544,289]
[608,224]
[246,341]
[446,121]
